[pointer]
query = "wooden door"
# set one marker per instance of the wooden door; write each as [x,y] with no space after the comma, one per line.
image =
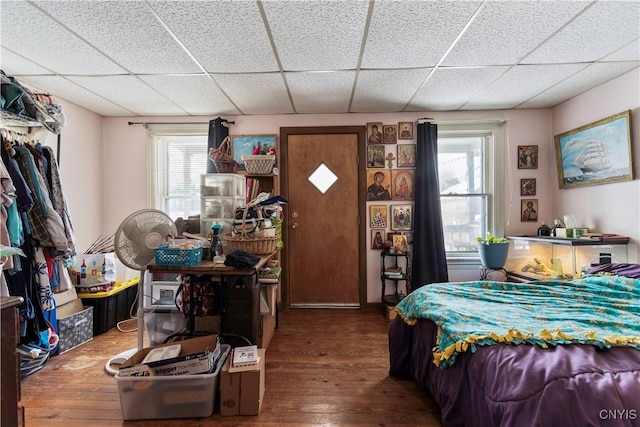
[324,227]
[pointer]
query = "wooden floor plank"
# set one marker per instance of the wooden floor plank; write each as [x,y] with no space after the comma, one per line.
[323,367]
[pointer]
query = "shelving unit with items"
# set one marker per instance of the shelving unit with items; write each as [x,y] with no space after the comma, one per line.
[395,272]
[220,195]
[541,257]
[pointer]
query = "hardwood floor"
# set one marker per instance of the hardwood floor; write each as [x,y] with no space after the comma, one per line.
[323,367]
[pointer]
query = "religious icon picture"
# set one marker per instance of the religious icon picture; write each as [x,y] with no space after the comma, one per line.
[406,155]
[529,209]
[377,238]
[390,134]
[378,216]
[379,184]
[401,217]
[405,130]
[375,156]
[399,243]
[374,133]
[528,187]
[402,188]
[527,157]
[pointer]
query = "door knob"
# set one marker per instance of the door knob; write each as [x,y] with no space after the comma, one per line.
[294,225]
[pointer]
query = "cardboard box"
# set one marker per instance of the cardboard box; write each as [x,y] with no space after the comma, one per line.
[174,396]
[241,393]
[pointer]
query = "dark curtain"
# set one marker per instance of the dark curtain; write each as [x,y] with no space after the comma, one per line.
[429,264]
[218,131]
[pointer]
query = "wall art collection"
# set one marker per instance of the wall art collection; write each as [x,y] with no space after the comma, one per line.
[390,177]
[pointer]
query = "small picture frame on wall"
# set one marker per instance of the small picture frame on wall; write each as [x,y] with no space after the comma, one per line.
[374,133]
[399,243]
[401,217]
[390,134]
[406,155]
[527,157]
[402,188]
[379,184]
[529,210]
[528,187]
[378,216]
[405,130]
[377,238]
[375,156]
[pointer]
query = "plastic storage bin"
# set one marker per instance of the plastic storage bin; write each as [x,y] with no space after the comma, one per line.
[178,396]
[159,324]
[113,306]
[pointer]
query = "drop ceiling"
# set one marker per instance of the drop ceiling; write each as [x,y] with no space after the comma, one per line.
[182,58]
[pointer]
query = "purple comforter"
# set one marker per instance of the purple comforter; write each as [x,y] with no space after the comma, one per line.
[522,385]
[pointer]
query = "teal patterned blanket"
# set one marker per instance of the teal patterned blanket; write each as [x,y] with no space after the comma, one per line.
[600,310]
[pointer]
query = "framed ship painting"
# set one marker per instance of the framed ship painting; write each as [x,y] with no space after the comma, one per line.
[597,153]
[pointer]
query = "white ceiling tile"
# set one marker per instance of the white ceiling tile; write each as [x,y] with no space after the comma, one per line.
[586,79]
[30,33]
[596,33]
[326,92]
[519,84]
[448,89]
[317,35]
[385,90]
[126,31]
[12,63]
[256,93]
[504,32]
[197,95]
[131,93]
[224,36]
[62,88]
[407,34]
[630,52]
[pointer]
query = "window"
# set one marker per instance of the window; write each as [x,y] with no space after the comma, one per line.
[179,159]
[470,190]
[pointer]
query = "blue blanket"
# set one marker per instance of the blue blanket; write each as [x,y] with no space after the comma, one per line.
[599,310]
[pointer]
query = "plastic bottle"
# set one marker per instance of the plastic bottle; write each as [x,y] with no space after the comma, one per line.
[544,230]
[216,243]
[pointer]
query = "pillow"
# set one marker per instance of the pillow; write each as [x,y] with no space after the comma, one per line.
[620,269]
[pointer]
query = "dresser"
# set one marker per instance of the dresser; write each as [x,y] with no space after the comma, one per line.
[12,415]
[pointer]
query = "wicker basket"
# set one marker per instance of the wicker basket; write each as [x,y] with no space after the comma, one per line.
[222,158]
[224,166]
[251,244]
[259,164]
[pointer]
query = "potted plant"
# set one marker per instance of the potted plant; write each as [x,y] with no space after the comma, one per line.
[493,251]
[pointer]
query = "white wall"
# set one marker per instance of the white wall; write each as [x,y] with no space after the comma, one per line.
[82,164]
[104,164]
[126,184]
[608,208]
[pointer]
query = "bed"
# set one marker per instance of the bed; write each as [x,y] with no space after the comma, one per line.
[540,353]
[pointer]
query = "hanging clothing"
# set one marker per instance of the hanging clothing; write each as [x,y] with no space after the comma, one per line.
[58,199]
[7,199]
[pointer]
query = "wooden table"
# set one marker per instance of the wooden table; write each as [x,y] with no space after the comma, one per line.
[232,310]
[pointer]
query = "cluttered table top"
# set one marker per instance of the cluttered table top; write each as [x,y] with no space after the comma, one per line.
[210,267]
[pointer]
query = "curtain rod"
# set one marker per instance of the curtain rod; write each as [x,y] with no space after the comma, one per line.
[460,122]
[177,123]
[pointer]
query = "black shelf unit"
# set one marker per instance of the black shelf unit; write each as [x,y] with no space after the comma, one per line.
[405,277]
